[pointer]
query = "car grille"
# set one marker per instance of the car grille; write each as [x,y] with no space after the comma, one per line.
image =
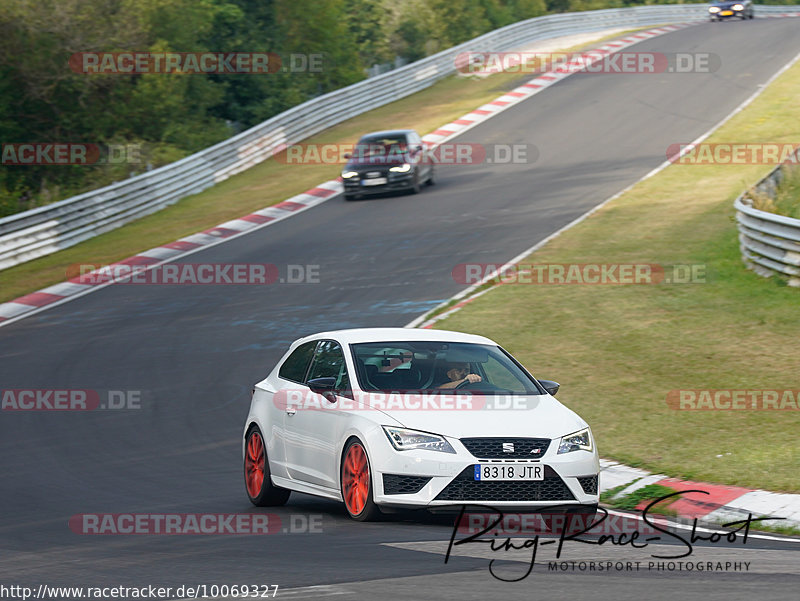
[373,172]
[396,484]
[465,488]
[492,448]
[588,484]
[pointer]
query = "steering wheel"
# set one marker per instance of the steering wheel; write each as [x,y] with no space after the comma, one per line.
[464,384]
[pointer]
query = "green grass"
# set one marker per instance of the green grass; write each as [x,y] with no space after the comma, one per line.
[650,492]
[619,350]
[787,197]
[265,184]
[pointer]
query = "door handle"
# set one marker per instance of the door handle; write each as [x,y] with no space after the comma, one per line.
[291,411]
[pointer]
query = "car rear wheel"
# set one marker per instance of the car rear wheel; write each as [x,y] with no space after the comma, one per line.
[257,481]
[356,482]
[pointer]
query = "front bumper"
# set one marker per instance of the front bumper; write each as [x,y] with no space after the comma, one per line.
[433,479]
[734,14]
[395,182]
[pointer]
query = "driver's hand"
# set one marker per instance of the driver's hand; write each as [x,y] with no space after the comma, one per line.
[472,378]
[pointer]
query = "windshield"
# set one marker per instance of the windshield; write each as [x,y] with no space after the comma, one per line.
[380,146]
[439,366]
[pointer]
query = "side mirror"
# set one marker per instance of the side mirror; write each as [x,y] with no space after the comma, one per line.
[550,386]
[347,155]
[325,387]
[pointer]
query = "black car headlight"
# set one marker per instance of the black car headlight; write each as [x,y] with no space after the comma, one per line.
[403,439]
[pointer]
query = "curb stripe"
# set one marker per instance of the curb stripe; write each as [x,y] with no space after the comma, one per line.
[38,299]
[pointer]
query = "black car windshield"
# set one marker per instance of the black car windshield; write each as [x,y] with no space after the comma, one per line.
[380,146]
[439,366]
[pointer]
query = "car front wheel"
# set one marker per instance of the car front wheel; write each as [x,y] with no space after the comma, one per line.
[257,481]
[356,483]
[415,187]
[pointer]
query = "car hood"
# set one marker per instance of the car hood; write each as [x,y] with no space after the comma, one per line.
[536,416]
[725,4]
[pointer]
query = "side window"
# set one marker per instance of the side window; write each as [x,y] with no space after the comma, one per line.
[296,364]
[329,363]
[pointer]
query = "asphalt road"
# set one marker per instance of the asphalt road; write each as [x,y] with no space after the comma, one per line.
[193,352]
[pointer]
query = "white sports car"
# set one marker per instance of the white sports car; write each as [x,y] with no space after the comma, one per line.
[396,417]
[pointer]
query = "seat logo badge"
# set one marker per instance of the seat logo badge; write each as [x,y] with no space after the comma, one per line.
[508,447]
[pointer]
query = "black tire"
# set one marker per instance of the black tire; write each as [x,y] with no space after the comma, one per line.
[267,494]
[415,187]
[350,196]
[431,177]
[369,511]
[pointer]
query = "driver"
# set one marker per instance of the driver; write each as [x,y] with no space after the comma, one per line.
[458,373]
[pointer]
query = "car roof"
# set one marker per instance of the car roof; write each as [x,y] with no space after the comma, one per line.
[356,335]
[388,133]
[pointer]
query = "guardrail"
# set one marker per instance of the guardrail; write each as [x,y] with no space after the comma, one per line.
[44,230]
[770,243]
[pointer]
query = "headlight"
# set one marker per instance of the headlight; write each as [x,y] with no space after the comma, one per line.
[406,440]
[349,174]
[738,7]
[713,9]
[405,167]
[579,441]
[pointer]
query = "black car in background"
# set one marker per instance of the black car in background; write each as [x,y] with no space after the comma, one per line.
[729,9]
[387,161]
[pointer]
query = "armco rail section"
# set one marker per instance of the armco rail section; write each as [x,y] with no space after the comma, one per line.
[770,243]
[47,229]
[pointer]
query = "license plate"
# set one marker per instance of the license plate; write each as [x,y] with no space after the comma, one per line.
[375,181]
[521,471]
[726,13]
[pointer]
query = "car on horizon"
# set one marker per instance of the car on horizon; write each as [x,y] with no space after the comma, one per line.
[387,161]
[384,418]
[728,9]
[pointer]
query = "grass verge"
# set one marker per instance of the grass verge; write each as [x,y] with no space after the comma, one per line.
[619,350]
[787,196]
[265,184]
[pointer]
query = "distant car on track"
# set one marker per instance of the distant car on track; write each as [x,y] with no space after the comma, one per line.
[387,161]
[728,9]
[415,418]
